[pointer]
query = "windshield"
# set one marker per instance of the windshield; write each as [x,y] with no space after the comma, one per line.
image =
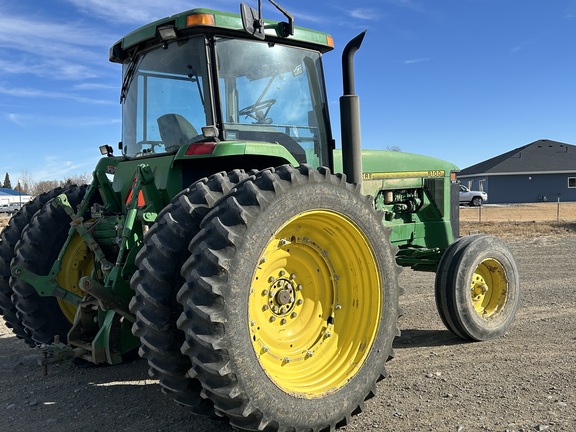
[275,94]
[165,99]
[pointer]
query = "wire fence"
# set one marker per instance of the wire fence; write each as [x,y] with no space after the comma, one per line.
[531,212]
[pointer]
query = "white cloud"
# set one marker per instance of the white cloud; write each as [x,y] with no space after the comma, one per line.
[310,18]
[409,4]
[365,14]
[95,86]
[56,50]
[142,11]
[46,67]
[37,93]
[414,61]
[521,46]
[56,168]
[25,120]
[15,118]
[49,37]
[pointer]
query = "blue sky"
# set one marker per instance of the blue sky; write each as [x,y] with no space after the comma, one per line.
[461,80]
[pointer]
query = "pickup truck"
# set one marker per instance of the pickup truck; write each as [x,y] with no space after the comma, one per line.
[9,208]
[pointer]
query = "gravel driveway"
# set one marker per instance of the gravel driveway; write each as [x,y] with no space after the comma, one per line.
[525,381]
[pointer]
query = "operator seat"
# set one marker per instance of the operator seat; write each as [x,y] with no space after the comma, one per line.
[175,131]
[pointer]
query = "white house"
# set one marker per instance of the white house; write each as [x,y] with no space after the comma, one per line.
[11,196]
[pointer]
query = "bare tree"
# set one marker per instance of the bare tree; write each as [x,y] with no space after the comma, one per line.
[44,186]
[78,179]
[26,182]
[30,187]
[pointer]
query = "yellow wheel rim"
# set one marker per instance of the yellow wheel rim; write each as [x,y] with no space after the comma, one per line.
[315,304]
[489,288]
[76,263]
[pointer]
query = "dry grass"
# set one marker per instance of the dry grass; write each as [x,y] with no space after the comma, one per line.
[520,220]
[507,221]
[535,212]
[519,229]
[3,222]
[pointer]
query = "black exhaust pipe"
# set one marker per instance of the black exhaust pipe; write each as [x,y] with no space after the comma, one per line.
[350,115]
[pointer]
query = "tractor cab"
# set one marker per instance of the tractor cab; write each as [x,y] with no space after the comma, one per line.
[200,78]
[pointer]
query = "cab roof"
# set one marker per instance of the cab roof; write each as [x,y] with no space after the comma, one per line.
[208,21]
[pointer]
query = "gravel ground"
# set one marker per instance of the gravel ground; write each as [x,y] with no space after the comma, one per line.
[525,381]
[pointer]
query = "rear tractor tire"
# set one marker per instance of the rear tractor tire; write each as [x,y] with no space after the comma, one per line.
[42,240]
[10,236]
[477,288]
[158,279]
[290,303]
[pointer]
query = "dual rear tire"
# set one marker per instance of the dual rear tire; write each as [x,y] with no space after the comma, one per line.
[158,279]
[33,241]
[289,302]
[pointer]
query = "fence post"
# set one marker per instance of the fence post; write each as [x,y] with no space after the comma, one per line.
[558,209]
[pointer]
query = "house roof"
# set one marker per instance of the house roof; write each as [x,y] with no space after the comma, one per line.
[7,191]
[540,157]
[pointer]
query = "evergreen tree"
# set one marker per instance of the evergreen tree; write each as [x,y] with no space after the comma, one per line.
[7,183]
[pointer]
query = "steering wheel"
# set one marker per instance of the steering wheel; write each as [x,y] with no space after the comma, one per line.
[258,111]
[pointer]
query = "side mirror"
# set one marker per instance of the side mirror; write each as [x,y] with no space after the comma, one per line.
[252,21]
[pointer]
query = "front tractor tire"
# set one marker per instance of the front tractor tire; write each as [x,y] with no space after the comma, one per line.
[477,288]
[46,317]
[290,303]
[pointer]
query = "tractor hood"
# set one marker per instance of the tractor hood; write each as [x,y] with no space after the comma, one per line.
[389,162]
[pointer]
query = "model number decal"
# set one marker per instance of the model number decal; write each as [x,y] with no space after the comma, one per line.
[436,173]
[403,174]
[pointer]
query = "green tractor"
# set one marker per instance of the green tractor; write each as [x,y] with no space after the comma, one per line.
[252,265]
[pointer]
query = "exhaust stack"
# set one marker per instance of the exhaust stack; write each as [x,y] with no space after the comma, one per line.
[350,115]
